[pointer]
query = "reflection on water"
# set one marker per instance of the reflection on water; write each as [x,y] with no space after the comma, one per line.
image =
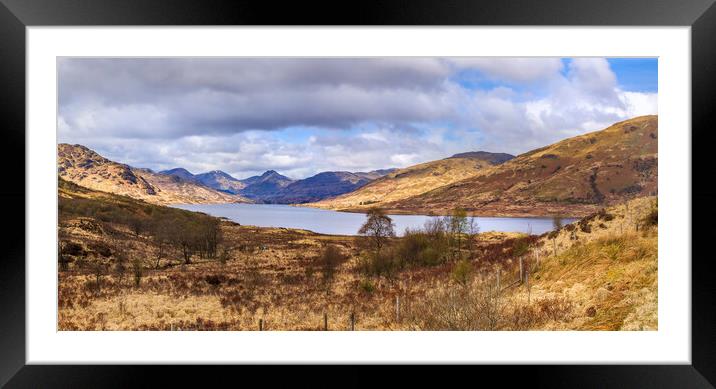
[346,223]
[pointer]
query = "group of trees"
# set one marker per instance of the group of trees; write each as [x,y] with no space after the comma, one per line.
[169,230]
[450,238]
[192,235]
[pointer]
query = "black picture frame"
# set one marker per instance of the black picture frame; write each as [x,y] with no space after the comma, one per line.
[16,15]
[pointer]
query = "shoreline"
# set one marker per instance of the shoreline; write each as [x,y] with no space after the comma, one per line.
[519,212]
[497,224]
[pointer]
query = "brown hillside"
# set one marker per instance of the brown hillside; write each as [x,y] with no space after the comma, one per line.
[82,166]
[408,182]
[573,177]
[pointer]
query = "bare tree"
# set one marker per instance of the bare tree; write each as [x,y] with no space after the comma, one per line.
[557,222]
[379,228]
[473,230]
[161,238]
[138,225]
[435,228]
[120,265]
[98,268]
[138,271]
[457,225]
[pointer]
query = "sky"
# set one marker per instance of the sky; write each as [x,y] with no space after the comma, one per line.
[301,116]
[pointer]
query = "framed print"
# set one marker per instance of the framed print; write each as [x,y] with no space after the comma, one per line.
[439,184]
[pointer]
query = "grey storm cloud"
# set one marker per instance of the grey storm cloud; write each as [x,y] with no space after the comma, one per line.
[178,97]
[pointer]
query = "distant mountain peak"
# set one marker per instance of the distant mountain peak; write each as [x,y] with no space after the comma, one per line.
[220,180]
[269,173]
[267,183]
[217,173]
[272,174]
[178,173]
[176,170]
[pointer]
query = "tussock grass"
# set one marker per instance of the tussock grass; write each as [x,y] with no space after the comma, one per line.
[617,278]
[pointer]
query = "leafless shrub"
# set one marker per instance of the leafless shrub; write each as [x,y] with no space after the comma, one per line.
[474,308]
[479,307]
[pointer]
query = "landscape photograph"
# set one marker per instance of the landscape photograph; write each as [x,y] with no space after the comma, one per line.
[357,194]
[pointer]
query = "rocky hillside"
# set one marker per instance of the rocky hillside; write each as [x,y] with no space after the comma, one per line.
[415,180]
[82,166]
[573,177]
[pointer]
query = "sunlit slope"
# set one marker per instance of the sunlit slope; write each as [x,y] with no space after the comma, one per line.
[575,176]
[82,166]
[411,181]
[607,265]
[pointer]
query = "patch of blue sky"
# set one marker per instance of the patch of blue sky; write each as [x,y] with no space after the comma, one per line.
[297,134]
[636,74]
[474,80]
[633,74]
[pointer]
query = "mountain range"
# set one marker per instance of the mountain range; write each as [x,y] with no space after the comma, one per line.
[274,188]
[574,177]
[83,166]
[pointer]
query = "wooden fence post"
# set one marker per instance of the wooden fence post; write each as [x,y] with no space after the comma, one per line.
[325,322]
[353,321]
[408,306]
[397,308]
[522,270]
[527,280]
[554,243]
[261,324]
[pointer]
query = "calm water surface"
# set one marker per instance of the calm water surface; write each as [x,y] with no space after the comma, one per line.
[346,223]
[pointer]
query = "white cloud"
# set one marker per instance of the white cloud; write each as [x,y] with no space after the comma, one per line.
[374,136]
[403,160]
[587,98]
[207,115]
[639,104]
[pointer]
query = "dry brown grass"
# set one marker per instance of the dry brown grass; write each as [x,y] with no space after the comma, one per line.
[602,280]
